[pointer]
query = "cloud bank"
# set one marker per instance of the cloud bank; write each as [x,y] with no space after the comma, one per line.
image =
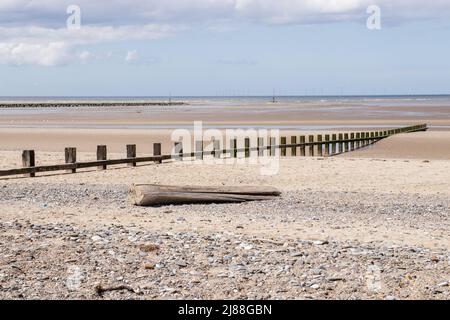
[34,32]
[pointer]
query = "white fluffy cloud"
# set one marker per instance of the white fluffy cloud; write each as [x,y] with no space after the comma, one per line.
[34,32]
[42,46]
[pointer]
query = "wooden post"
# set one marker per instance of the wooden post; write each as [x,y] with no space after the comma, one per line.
[346,142]
[247,147]
[327,145]
[131,153]
[199,150]
[178,153]
[233,146]
[319,146]
[341,144]
[28,161]
[352,143]
[333,144]
[273,143]
[283,148]
[372,137]
[358,142]
[294,149]
[302,148]
[70,155]
[102,154]
[157,151]
[311,147]
[216,148]
[261,147]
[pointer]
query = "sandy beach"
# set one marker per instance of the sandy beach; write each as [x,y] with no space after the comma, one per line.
[370,224]
[390,222]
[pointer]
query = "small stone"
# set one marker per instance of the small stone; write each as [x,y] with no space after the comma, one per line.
[149,247]
[96,238]
[149,266]
[181,263]
[434,259]
[315,286]
[320,242]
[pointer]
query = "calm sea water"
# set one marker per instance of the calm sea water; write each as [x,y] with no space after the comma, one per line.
[390,100]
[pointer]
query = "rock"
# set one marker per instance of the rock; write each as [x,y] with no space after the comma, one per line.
[149,266]
[181,263]
[149,247]
[97,238]
[320,242]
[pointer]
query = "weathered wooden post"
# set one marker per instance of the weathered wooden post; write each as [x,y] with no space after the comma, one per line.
[319,146]
[29,161]
[70,155]
[178,150]
[341,143]
[346,142]
[157,151]
[358,142]
[131,153]
[333,144]
[352,142]
[327,145]
[311,147]
[102,155]
[283,141]
[199,150]
[216,148]
[233,146]
[372,137]
[261,147]
[273,143]
[247,147]
[302,148]
[294,148]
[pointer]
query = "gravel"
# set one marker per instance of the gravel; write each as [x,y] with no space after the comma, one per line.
[68,260]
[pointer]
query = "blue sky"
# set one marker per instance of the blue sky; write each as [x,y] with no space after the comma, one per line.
[228,47]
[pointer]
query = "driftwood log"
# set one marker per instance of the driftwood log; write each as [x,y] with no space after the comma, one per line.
[155,195]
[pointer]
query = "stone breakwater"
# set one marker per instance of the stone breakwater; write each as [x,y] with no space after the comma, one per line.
[88,104]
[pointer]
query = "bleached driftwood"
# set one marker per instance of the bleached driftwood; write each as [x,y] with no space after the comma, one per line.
[155,195]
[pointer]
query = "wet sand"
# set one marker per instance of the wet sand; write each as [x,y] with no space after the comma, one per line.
[432,145]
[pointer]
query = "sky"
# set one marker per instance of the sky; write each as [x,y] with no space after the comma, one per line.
[223,47]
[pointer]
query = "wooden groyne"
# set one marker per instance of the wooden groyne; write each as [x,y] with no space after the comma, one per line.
[11,105]
[320,145]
